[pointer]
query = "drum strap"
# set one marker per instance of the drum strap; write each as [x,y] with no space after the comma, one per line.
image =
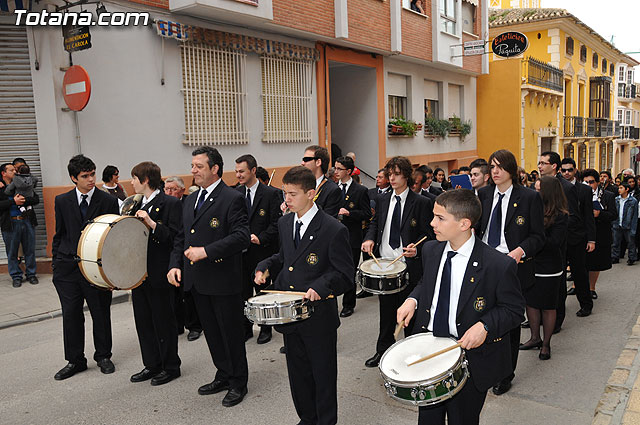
[319,189]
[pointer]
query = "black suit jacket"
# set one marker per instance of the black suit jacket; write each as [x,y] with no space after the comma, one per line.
[435,190]
[429,195]
[357,203]
[416,218]
[577,233]
[69,226]
[585,202]
[329,198]
[374,195]
[221,227]
[166,211]
[490,293]
[524,225]
[322,261]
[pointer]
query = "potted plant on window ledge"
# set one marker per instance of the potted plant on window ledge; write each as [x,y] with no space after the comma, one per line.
[436,128]
[398,126]
[459,128]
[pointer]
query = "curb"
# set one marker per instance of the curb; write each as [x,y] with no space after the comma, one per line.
[121,297]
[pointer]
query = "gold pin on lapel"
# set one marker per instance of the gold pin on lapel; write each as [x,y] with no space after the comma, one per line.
[515,205]
[157,209]
[472,280]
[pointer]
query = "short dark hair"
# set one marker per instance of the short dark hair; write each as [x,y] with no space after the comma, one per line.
[425,169]
[108,172]
[507,162]
[422,174]
[148,170]
[262,174]
[3,167]
[346,162]
[568,160]
[322,154]
[300,176]
[403,164]
[625,185]
[554,158]
[381,170]
[591,172]
[534,172]
[213,157]
[461,203]
[18,160]
[80,164]
[24,169]
[481,164]
[607,172]
[464,168]
[455,171]
[249,159]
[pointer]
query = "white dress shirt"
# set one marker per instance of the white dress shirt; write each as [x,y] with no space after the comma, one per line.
[505,205]
[305,219]
[318,181]
[253,189]
[385,249]
[458,268]
[145,201]
[89,195]
[348,183]
[208,189]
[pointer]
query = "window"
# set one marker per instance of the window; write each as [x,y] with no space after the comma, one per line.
[215,95]
[599,95]
[604,66]
[627,117]
[583,53]
[431,100]
[621,87]
[603,156]
[620,112]
[448,15]
[612,70]
[569,47]
[594,60]
[416,6]
[621,73]
[455,101]
[468,17]
[630,76]
[286,99]
[397,96]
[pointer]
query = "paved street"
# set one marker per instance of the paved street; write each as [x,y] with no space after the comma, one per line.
[563,390]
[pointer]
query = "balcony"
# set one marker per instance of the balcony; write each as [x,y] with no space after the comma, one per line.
[629,132]
[540,74]
[626,92]
[574,127]
[580,127]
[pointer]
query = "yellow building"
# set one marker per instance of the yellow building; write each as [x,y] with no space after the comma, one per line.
[559,95]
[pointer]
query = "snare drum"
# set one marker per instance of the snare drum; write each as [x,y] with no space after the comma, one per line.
[384,280]
[277,309]
[113,252]
[427,383]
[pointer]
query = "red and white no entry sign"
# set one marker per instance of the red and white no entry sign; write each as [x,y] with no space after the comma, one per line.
[76,88]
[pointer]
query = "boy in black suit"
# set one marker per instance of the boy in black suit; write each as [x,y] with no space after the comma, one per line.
[482,287]
[402,218]
[354,213]
[153,301]
[315,259]
[263,206]
[209,247]
[72,211]
[328,197]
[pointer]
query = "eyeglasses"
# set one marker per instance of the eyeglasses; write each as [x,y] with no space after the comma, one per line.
[339,169]
[543,163]
[308,158]
[566,170]
[589,181]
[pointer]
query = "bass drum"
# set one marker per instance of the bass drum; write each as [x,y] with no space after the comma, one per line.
[112,252]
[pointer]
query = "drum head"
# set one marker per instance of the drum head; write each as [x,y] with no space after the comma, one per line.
[395,361]
[371,268]
[274,299]
[124,253]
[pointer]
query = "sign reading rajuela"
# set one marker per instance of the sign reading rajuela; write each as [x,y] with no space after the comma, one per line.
[509,44]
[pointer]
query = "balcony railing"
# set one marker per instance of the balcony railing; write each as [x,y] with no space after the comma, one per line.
[627,91]
[630,132]
[540,74]
[574,127]
[618,129]
[590,127]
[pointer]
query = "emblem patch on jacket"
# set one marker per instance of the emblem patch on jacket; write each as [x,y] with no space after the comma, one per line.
[214,223]
[262,212]
[520,220]
[479,304]
[312,259]
[351,205]
[414,222]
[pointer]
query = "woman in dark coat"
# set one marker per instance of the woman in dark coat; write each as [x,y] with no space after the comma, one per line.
[542,297]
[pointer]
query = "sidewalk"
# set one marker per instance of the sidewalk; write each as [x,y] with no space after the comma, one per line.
[32,303]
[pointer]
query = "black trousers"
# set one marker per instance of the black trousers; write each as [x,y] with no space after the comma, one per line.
[389,305]
[248,287]
[221,318]
[154,317]
[577,259]
[73,293]
[312,363]
[185,310]
[462,409]
[514,340]
[349,298]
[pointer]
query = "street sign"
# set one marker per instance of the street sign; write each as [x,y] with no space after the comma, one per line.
[510,43]
[474,47]
[76,88]
[76,38]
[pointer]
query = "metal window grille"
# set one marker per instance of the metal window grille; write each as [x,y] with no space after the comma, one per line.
[286,99]
[215,95]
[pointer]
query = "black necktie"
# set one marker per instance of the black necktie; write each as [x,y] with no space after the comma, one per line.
[394,234]
[201,198]
[441,319]
[495,227]
[296,237]
[84,207]
[344,190]
[248,200]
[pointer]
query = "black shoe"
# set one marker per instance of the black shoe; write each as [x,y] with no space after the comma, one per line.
[234,396]
[631,262]
[583,312]
[33,280]
[144,375]
[106,366]
[265,335]
[69,370]
[373,361]
[594,295]
[283,350]
[363,294]
[543,355]
[193,335]
[614,261]
[164,377]
[17,283]
[556,330]
[213,388]
[571,291]
[502,387]
[346,312]
[530,345]
[525,324]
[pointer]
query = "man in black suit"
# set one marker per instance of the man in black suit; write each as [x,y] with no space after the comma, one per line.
[382,187]
[153,300]
[209,249]
[421,179]
[512,223]
[462,271]
[315,259]
[328,196]
[73,210]
[354,213]
[263,206]
[402,219]
[427,185]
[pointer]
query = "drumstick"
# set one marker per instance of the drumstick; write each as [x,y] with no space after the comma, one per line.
[396,334]
[375,259]
[274,291]
[271,178]
[437,353]
[402,255]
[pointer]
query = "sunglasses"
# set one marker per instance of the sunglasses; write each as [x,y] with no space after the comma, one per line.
[308,158]
[566,170]
[589,181]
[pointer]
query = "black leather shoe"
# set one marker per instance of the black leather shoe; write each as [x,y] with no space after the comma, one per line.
[265,335]
[583,312]
[502,387]
[363,294]
[530,345]
[144,375]
[346,312]
[283,350]
[164,377]
[69,370]
[193,335]
[234,396]
[614,261]
[106,366]
[556,330]
[545,355]
[594,295]
[631,262]
[373,361]
[33,280]
[571,291]
[17,283]
[213,388]
[525,324]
